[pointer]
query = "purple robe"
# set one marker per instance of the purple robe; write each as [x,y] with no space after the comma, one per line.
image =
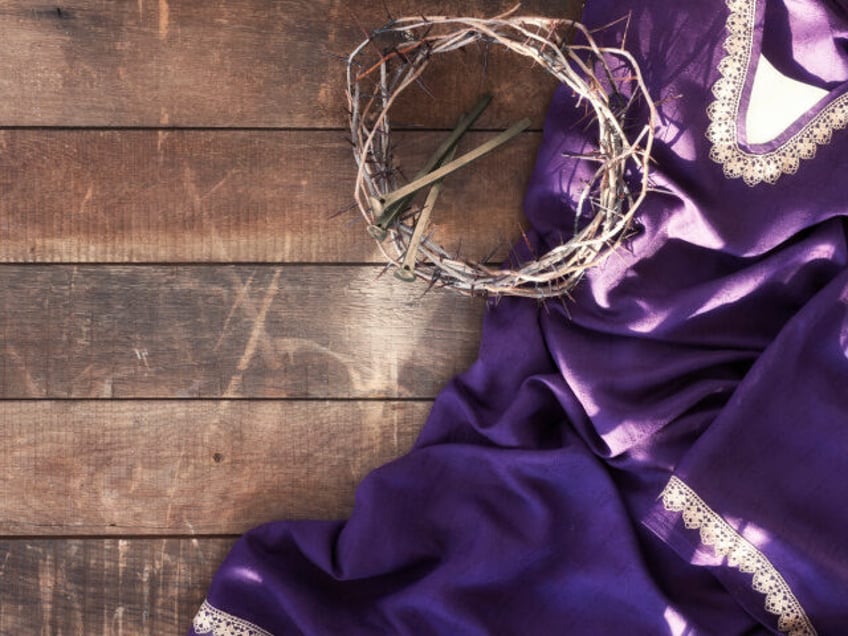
[665,454]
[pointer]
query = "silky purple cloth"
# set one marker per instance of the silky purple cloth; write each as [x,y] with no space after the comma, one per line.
[579,476]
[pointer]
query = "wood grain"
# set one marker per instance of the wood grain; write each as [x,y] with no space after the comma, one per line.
[190,467]
[227,331]
[223,196]
[107,587]
[234,63]
[117,148]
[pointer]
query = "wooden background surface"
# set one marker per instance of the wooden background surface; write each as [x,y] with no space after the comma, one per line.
[189,344]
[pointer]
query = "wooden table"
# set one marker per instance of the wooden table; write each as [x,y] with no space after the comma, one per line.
[190,343]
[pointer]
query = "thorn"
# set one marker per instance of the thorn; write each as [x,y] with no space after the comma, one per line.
[527,242]
[564,305]
[626,29]
[433,280]
[342,211]
[337,56]
[489,256]
[608,25]
[386,268]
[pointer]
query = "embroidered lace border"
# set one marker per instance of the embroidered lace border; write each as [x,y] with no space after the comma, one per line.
[211,620]
[740,554]
[724,111]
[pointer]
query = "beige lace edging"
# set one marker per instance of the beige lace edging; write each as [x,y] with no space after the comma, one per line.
[723,131]
[211,620]
[727,543]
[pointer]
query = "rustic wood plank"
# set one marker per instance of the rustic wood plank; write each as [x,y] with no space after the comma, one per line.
[198,196]
[111,587]
[232,63]
[227,331]
[112,467]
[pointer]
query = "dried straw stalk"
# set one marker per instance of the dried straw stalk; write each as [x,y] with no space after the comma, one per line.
[606,205]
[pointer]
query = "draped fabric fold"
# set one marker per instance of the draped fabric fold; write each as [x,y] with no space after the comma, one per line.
[663,454]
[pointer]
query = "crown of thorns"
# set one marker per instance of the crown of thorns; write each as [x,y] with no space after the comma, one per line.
[605,206]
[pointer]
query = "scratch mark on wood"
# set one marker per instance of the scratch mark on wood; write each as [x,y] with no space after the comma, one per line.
[162,135]
[92,381]
[33,390]
[291,346]
[326,95]
[193,390]
[141,354]
[145,582]
[217,247]
[242,294]
[118,621]
[253,341]
[266,346]
[191,187]
[172,490]
[140,8]
[164,18]
[163,559]
[86,199]
[220,183]
[123,551]
[46,584]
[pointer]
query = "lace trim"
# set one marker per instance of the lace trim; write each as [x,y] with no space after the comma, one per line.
[724,111]
[740,554]
[211,620]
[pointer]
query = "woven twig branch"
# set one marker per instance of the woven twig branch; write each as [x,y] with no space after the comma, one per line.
[607,203]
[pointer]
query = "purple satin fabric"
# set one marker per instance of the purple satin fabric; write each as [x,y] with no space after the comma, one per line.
[713,349]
